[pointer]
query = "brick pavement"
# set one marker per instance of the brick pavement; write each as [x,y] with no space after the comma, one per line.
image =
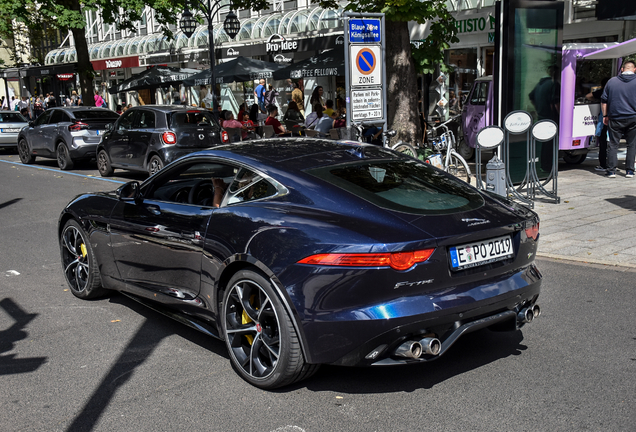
[596,219]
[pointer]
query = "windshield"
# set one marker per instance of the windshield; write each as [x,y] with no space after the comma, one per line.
[12,117]
[403,185]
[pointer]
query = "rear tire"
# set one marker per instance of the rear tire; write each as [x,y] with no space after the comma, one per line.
[155,164]
[406,149]
[103,164]
[459,168]
[64,160]
[571,159]
[262,343]
[25,154]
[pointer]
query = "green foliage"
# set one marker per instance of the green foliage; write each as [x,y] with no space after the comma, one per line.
[442,25]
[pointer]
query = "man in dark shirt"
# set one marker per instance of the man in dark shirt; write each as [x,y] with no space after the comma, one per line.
[618,104]
[272,121]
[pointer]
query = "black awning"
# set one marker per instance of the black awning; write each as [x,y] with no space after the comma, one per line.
[329,63]
[49,70]
[156,76]
[241,69]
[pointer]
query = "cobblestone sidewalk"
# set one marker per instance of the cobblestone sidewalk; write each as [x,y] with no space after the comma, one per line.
[596,219]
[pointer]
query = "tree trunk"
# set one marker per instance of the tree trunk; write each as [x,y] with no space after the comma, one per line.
[84,66]
[402,83]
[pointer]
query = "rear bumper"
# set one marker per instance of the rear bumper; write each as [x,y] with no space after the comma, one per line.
[383,327]
[172,153]
[9,139]
[84,147]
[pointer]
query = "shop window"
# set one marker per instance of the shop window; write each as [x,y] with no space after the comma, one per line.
[244,14]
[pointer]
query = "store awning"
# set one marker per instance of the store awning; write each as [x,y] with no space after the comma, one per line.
[156,76]
[619,50]
[241,69]
[329,63]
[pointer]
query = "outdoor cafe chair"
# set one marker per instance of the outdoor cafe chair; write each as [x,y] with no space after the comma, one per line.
[235,134]
[268,131]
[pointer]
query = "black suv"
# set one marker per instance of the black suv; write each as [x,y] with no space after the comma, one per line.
[148,137]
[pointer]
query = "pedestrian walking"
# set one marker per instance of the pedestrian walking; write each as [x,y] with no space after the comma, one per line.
[618,104]
[259,95]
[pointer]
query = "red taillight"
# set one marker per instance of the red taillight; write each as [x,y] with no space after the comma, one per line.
[576,143]
[396,260]
[533,232]
[77,126]
[225,137]
[169,138]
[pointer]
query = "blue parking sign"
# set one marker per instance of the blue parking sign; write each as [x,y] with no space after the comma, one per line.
[364,31]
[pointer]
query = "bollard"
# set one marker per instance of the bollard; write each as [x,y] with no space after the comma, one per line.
[496,176]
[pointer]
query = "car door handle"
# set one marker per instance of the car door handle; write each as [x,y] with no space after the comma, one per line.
[153,209]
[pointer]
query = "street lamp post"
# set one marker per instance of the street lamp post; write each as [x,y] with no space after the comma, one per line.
[188,25]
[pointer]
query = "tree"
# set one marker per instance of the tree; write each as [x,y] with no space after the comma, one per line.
[402,60]
[68,15]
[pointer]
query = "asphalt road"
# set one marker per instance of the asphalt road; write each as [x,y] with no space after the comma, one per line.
[112,365]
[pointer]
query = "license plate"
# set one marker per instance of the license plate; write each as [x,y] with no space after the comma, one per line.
[436,160]
[10,130]
[480,252]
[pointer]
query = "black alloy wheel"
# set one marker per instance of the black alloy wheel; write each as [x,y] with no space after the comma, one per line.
[466,151]
[572,159]
[155,165]
[25,154]
[103,164]
[261,340]
[64,160]
[79,263]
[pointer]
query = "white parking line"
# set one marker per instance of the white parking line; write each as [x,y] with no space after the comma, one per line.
[62,172]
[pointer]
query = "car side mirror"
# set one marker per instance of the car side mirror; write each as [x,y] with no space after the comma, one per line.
[31,123]
[129,192]
[109,126]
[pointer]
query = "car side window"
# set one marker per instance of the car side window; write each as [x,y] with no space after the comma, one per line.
[145,120]
[249,186]
[126,120]
[201,183]
[59,116]
[43,119]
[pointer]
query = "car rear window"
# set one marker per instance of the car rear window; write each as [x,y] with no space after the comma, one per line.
[193,118]
[12,117]
[406,186]
[96,115]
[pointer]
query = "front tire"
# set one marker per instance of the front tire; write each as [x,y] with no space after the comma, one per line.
[25,154]
[64,160]
[103,164]
[406,149]
[465,151]
[261,340]
[155,165]
[459,168]
[79,263]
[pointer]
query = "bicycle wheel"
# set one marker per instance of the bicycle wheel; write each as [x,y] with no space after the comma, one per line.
[407,149]
[459,168]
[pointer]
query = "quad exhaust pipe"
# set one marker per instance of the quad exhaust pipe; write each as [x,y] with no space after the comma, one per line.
[526,315]
[415,349]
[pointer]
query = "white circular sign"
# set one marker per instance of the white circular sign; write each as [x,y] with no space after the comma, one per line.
[544,130]
[518,122]
[490,137]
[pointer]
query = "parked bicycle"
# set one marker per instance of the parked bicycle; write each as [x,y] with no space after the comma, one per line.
[400,146]
[445,155]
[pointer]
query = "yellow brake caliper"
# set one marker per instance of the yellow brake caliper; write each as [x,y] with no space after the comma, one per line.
[246,319]
[83,249]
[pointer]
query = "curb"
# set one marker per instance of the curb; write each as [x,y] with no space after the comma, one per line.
[585,260]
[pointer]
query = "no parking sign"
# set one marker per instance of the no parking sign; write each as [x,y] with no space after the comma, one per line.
[365,68]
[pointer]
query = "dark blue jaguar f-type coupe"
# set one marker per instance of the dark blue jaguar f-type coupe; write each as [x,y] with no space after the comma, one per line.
[305,252]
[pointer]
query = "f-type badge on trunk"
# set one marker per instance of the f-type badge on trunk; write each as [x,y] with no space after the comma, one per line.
[475,221]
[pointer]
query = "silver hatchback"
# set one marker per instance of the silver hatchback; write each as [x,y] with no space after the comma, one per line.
[68,134]
[11,122]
